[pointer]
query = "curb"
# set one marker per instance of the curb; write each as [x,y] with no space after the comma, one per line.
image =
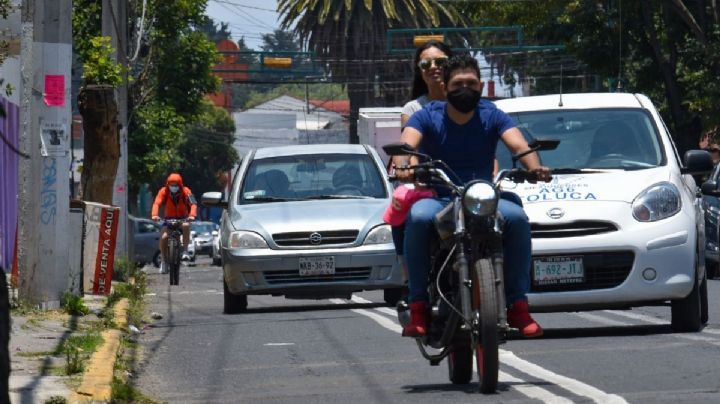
[98,375]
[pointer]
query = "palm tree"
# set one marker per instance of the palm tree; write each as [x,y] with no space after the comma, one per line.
[351,36]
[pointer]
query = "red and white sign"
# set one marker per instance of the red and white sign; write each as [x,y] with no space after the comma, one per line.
[101,223]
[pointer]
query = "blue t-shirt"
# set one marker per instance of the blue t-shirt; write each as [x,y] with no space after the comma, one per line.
[468,149]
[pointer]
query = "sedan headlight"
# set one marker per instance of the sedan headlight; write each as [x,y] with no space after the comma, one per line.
[480,199]
[658,202]
[246,239]
[379,235]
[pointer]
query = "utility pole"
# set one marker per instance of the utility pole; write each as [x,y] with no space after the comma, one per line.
[44,195]
[114,25]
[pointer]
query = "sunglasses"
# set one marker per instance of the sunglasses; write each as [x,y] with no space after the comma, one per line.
[440,63]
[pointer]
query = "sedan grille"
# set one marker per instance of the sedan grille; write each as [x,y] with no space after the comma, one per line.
[341,274]
[572,229]
[314,239]
[603,270]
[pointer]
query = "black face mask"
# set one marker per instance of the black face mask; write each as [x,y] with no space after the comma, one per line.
[464,99]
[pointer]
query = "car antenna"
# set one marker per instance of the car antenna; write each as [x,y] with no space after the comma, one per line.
[560,104]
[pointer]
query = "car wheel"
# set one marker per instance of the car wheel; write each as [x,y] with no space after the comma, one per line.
[686,313]
[704,315]
[712,269]
[234,304]
[391,296]
[156,259]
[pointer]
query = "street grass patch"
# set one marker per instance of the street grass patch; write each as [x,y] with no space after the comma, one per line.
[77,350]
[124,393]
[39,354]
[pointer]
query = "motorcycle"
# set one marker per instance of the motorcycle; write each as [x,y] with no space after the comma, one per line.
[466,288]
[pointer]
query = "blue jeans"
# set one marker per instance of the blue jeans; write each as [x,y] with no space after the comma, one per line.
[420,231]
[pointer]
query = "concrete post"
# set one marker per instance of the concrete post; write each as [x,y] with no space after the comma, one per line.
[44,194]
[114,25]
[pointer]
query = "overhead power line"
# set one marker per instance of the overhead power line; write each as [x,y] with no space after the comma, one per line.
[245,6]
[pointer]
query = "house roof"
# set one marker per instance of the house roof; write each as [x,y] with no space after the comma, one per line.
[340,106]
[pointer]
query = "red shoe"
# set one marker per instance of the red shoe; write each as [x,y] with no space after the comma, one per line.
[418,320]
[518,316]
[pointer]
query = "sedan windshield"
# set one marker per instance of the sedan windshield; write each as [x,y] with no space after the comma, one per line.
[202,228]
[624,139]
[322,176]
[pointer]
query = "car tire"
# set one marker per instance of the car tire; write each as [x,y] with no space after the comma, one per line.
[712,269]
[392,296]
[704,314]
[233,304]
[686,313]
[156,259]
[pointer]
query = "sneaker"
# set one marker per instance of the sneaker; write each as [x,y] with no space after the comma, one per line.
[518,316]
[185,256]
[163,267]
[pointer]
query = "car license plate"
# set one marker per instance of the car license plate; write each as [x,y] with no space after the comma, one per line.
[310,266]
[558,270]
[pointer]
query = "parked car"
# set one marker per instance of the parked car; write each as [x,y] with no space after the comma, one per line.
[306,222]
[202,238]
[216,256]
[146,241]
[626,228]
[711,206]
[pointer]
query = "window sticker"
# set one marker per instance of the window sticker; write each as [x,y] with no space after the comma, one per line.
[253,194]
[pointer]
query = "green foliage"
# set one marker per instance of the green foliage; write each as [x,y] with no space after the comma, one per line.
[56,400]
[124,392]
[99,66]
[74,305]
[318,91]
[280,40]
[86,24]
[77,349]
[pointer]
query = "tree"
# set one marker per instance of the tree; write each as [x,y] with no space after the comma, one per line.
[351,35]
[96,102]
[213,33]
[666,49]
[280,41]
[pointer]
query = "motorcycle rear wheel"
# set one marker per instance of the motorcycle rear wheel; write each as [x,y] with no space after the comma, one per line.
[485,308]
[459,361]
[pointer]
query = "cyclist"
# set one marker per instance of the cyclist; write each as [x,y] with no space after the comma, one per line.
[464,132]
[179,204]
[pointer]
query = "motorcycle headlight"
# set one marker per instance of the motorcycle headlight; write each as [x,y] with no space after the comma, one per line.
[379,235]
[657,202]
[246,239]
[480,199]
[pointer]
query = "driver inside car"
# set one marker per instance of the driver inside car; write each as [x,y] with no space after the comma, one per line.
[463,132]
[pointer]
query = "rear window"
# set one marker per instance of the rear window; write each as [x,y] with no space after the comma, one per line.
[599,138]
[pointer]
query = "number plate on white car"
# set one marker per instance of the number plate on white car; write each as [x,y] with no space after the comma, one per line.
[310,266]
[558,270]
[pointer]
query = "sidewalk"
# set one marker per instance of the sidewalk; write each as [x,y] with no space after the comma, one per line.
[37,366]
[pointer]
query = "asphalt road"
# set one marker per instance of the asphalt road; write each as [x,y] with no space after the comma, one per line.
[295,351]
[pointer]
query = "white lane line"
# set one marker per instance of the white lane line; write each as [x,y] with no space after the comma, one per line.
[279,344]
[384,310]
[600,319]
[635,316]
[535,392]
[532,391]
[382,320]
[574,386]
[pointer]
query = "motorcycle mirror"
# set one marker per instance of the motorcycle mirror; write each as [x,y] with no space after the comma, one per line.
[402,149]
[537,145]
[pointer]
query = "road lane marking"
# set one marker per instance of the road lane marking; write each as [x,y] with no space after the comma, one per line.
[641,317]
[574,386]
[384,310]
[382,320]
[279,344]
[657,321]
[601,319]
[530,390]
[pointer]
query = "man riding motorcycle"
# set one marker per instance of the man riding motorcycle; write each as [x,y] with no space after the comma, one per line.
[179,204]
[463,132]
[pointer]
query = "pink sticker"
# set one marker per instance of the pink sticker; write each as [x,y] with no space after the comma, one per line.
[54,90]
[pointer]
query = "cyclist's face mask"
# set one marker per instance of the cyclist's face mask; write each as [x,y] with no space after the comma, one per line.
[174,188]
[464,99]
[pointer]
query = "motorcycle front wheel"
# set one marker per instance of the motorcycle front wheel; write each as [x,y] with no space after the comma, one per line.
[485,310]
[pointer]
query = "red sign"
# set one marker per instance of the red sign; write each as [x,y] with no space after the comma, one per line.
[106,250]
[54,90]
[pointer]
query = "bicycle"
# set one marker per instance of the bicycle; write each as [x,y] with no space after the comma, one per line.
[175,233]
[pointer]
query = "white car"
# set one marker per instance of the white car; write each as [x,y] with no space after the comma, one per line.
[216,256]
[625,227]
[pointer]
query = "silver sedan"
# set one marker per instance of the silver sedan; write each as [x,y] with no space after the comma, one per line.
[306,222]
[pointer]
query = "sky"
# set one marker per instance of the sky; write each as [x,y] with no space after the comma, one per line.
[248,18]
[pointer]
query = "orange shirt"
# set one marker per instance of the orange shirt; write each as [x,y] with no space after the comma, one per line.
[181,206]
